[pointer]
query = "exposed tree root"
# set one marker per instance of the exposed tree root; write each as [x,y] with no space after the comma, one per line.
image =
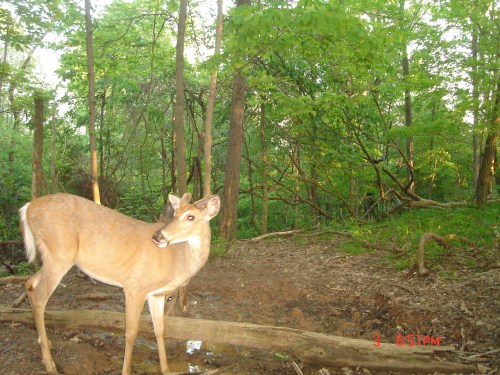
[443,241]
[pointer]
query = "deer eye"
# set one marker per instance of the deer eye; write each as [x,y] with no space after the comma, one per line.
[190,218]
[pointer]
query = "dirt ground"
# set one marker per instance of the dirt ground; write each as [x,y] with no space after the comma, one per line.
[304,284]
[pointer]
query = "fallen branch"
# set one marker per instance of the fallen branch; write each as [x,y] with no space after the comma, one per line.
[276,234]
[20,299]
[13,279]
[475,356]
[323,232]
[297,369]
[443,241]
[311,347]
[426,203]
[95,296]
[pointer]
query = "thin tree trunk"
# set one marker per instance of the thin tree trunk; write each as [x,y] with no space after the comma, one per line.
[101,133]
[313,187]
[265,162]
[408,110]
[5,54]
[475,111]
[92,106]
[296,187]
[164,165]
[179,101]
[38,182]
[352,189]
[250,183]
[53,153]
[212,91]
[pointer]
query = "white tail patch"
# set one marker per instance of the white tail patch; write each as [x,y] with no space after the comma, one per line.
[29,240]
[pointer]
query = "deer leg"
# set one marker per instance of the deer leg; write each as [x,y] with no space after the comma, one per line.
[39,288]
[183,298]
[133,308]
[170,304]
[157,311]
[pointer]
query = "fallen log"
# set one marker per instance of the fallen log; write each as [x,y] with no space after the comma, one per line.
[311,347]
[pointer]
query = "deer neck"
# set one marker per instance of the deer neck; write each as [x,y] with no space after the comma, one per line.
[197,251]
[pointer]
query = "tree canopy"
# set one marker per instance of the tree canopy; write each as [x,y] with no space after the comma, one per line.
[352,109]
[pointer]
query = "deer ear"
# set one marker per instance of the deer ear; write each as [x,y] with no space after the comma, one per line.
[176,201]
[186,199]
[213,206]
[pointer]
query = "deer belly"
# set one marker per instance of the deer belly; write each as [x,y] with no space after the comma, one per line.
[98,276]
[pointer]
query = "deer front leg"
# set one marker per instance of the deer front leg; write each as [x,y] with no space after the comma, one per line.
[133,308]
[157,311]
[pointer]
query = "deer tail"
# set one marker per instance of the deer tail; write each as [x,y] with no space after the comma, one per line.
[29,240]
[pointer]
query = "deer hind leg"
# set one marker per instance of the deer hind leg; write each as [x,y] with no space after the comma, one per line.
[39,288]
[134,303]
[157,310]
[183,299]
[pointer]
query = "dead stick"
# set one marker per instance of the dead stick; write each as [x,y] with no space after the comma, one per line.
[20,299]
[14,279]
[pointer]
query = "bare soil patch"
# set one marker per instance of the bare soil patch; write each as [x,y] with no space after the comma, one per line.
[308,286]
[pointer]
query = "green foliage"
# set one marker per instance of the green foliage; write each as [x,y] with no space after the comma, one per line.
[479,225]
[329,75]
[24,269]
[219,247]
[352,248]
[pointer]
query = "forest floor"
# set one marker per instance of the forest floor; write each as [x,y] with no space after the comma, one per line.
[306,284]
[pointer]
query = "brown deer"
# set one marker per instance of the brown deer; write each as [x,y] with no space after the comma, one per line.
[149,261]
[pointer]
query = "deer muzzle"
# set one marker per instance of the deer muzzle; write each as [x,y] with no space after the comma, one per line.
[159,240]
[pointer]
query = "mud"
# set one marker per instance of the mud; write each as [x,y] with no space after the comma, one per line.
[304,284]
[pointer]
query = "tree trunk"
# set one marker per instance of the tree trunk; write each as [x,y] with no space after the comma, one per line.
[352,190]
[53,154]
[180,144]
[38,183]
[92,106]
[5,53]
[475,104]
[265,162]
[229,204]
[408,110]
[488,167]
[311,347]
[296,187]
[101,133]
[313,187]
[164,164]
[212,91]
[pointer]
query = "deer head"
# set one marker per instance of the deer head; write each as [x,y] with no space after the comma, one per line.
[189,221]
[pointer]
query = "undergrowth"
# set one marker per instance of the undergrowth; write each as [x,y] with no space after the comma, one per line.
[401,233]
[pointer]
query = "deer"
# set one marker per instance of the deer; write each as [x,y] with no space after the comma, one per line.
[149,261]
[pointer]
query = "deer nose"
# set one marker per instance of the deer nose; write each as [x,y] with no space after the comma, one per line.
[159,240]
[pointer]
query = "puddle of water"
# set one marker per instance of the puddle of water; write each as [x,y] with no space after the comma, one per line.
[191,356]
[192,346]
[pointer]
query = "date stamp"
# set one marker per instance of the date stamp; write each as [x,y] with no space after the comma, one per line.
[410,340]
